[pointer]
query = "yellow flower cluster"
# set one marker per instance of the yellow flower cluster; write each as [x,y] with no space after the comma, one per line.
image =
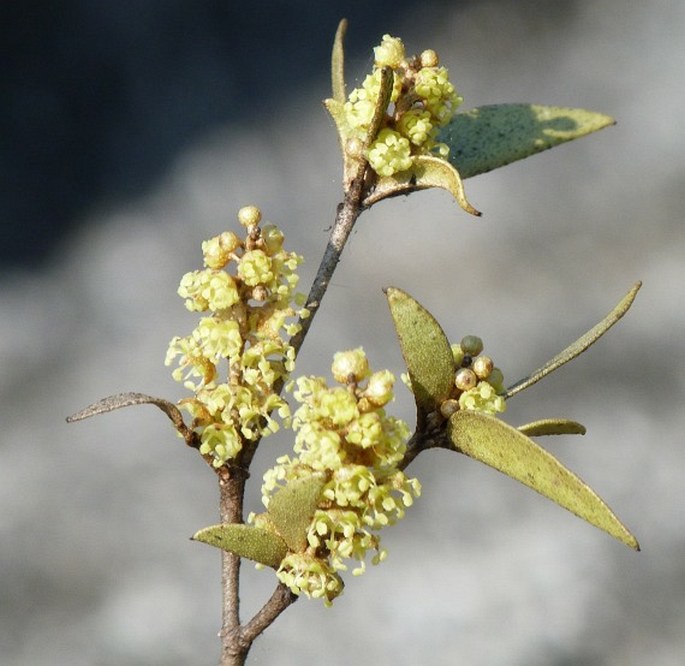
[344,433]
[477,382]
[422,101]
[233,358]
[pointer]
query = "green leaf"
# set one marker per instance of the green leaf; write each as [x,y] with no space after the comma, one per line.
[489,137]
[338,63]
[579,346]
[498,445]
[552,427]
[425,349]
[426,172]
[292,508]
[253,543]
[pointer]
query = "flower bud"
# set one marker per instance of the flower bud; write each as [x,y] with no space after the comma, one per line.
[449,407]
[482,366]
[429,58]
[354,147]
[465,379]
[217,251]
[390,53]
[350,364]
[472,345]
[273,238]
[496,379]
[379,388]
[249,216]
[260,293]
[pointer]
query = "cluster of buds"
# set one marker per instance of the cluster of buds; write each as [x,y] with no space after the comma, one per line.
[477,382]
[422,101]
[237,353]
[345,436]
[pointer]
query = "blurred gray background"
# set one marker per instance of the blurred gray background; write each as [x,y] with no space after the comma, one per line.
[132,131]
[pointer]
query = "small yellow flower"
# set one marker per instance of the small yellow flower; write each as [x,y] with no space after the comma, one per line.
[255,268]
[416,125]
[390,52]
[439,95]
[305,574]
[389,153]
[220,338]
[221,441]
[482,398]
[217,251]
[361,102]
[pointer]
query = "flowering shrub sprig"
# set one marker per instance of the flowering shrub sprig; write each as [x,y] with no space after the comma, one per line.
[325,504]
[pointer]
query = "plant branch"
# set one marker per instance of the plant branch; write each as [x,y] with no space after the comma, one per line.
[279,601]
[236,640]
[348,212]
[231,492]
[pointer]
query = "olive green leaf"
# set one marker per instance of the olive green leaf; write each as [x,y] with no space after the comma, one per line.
[425,349]
[426,171]
[253,543]
[579,346]
[498,445]
[552,427]
[292,508]
[338,63]
[489,137]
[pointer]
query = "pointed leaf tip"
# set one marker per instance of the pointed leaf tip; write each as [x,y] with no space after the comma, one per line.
[426,172]
[497,444]
[254,543]
[425,349]
[492,136]
[579,346]
[436,172]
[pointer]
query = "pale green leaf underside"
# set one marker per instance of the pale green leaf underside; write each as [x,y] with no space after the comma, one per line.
[489,137]
[292,508]
[425,349]
[435,172]
[253,543]
[426,171]
[552,427]
[497,444]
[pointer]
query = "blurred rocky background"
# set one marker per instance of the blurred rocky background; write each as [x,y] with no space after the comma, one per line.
[131,131]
